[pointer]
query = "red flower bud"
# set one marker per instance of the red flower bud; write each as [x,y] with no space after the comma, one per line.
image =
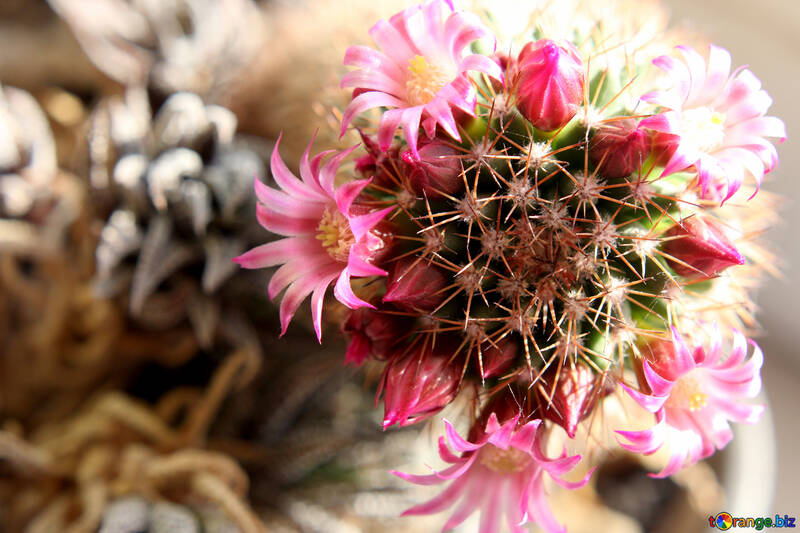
[418,384]
[701,248]
[415,285]
[571,400]
[619,148]
[372,333]
[661,356]
[497,358]
[549,83]
[436,172]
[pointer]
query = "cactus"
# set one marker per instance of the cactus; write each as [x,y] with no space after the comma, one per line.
[546,220]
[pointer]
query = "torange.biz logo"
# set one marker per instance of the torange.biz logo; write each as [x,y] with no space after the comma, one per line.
[726,521]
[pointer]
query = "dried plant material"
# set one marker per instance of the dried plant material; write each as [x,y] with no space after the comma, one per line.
[68,473]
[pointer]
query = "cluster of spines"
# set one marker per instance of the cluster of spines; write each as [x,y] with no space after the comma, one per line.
[535,246]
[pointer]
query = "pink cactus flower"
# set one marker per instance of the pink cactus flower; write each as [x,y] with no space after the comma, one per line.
[694,396]
[500,475]
[549,83]
[328,237]
[420,74]
[718,120]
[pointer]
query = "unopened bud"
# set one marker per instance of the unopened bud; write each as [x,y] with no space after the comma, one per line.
[619,148]
[372,333]
[415,285]
[700,248]
[567,396]
[549,83]
[498,357]
[437,171]
[417,385]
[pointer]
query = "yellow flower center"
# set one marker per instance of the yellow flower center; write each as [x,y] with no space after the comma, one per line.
[687,394]
[334,232]
[424,80]
[704,128]
[504,461]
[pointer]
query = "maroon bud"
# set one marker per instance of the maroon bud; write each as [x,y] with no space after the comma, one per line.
[372,333]
[700,248]
[377,164]
[549,83]
[418,384]
[415,285]
[497,357]
[572,398]
[437,171]
[619,148]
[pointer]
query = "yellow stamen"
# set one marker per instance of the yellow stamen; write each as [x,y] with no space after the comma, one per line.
[334,232]
[504,461]
[687,394]
[424,80]
[704,128]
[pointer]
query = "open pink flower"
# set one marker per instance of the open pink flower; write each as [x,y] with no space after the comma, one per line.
[328,237]
[420,72]
[719,121]
[694,396]
[500,475]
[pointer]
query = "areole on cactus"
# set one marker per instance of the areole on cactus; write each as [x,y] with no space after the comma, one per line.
[544,236]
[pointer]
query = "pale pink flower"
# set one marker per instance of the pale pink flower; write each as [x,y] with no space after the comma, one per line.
[694,396]
[420,72]
[501,475]
[328,237]
[719,121]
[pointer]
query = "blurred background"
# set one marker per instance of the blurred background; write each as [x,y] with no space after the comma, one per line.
[142,385]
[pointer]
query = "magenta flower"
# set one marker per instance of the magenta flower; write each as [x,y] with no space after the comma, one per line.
[500,475]
[718,120]
[549,84]
[694,396]
[420,72]
[328,237]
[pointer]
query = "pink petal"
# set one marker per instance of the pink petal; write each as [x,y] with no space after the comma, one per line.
[365,101]
[482,64]
[283,203]
[316,303]
[288,181]
[358,267]
[440,502]
[344,292]
[456,442]
[347,193]
[650,403]
[410,122]
[659,385]
[282,225]
[327,174]
[388,126]
[278,252]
